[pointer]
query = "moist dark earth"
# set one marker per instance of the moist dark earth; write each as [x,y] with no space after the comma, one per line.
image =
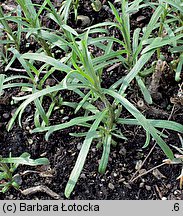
[62,150]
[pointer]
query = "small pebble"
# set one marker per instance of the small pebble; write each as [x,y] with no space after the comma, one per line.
[83,21]
[164,198]
[18,179]
[122,151]
[141,185]
[111,186]
[93,150]
[6,115]
[141,18]
[83,176]
[27,128]
[11,197]
[50,82]
[114,155]
[115,174]
[30,141]
[127,185]
[110,159]
[138,164]
[168,186]
[65,118]
[148,187]
[79,145]
[176,192]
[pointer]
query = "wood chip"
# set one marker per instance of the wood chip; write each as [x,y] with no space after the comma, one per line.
[138,165]
[159,192]
[158,174]
[140,18]
[40,188]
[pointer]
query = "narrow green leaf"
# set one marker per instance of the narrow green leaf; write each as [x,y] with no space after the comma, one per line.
[49,60]
[143,121]
[82,155]
[105,154]
[135,70]
[179,68]
[171,125]
[2,78]
[148,138]
[69,29]
[144,90]
[25,160]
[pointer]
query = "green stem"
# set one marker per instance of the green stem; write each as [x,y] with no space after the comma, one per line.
[8,29]
[110,123]
[160,33]
[45,47]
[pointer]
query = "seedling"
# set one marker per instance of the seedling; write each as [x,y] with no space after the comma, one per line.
[9,165]
[82,73]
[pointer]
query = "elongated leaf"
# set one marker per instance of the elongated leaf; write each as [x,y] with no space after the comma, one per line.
[171,125]
[2,78]
[136,39]
[148,138]
[72,122]
[179,68]
[49,60]
[150,27]
[135,70]
[41,111]
[143,121]
[14,85]
[25,160]
[16,77]
[116,13]
[29,98]
[176,4]
[80,104]
[69,29]
[160,43]
[105,154]
[22,61]
[82,155]
[144,90]
[65,10]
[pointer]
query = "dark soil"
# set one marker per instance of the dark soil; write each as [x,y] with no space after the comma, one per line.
[62,149]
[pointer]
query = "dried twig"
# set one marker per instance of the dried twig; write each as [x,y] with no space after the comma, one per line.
[40,188]
[148,171]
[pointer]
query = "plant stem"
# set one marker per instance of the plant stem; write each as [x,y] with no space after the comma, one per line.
[45,47]
[160,33]
[111,111]
[8,29]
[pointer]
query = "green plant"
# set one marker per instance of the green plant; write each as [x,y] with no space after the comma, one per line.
[66,7]
[86,76]
[83,75]
[11,37]
[135,45]
[7,177]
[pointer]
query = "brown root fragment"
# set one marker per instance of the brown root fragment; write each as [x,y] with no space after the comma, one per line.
[40,188]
